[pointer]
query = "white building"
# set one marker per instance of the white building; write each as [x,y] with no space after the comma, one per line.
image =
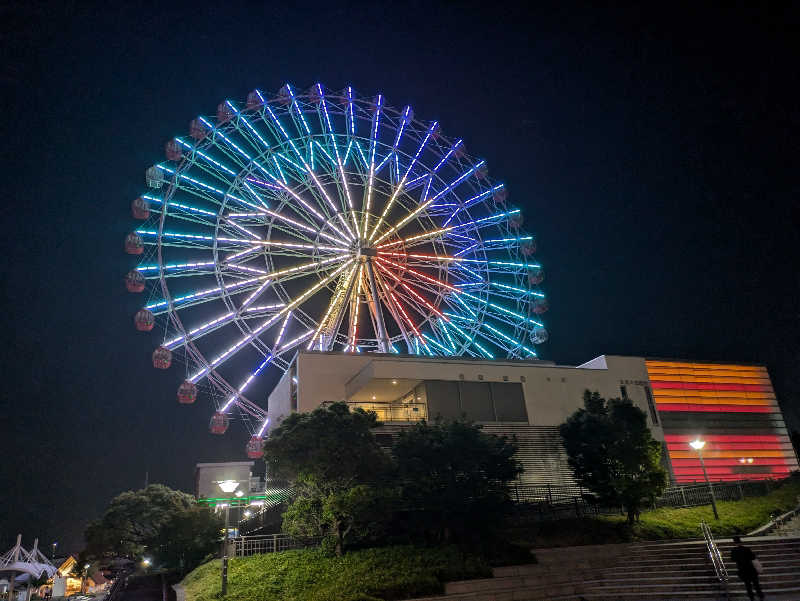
[732,405]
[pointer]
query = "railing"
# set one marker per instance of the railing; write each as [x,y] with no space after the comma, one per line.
[244,546]
[560,498]
[394,412]
[716,559]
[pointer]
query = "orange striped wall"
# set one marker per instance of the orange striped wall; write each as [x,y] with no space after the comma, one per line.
[733,408]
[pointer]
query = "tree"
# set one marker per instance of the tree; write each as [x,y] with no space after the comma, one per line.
[80,569]
[454,477]
[188,536]
[165,522]
[333,462]
[613,453]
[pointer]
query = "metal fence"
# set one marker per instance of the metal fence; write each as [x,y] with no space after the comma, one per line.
[552,502]
[243,546]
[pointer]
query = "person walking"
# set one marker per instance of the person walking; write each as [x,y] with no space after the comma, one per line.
[744,557]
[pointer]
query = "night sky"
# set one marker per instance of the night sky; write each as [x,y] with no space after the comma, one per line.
[655,157]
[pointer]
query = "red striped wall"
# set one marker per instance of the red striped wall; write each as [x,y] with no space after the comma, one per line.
[712,401]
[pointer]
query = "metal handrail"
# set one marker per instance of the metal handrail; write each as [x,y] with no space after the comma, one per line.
[716,558]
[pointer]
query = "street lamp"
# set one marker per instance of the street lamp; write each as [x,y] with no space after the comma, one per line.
[698,445]
[227,486]
[53,556]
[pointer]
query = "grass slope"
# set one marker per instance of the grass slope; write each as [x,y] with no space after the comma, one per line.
[386,573]
[736,517]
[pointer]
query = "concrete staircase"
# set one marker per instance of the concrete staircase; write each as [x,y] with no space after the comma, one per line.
[789,528]
[634,572]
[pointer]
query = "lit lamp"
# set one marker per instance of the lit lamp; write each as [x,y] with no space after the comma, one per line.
[227,486]
[698,445]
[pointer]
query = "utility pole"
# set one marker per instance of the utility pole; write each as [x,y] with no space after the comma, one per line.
[698,445]
[225,551]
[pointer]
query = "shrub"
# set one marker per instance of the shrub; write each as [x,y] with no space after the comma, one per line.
[384,574]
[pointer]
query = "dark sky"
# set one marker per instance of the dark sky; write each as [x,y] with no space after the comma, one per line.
[655,156]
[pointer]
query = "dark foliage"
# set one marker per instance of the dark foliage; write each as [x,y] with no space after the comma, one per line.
[454,479]
[613,452]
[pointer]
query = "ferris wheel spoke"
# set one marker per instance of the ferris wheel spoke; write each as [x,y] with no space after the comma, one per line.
[201,330]
[178,209]
[331,320]
[310,173]
[170,270]
[418,274]
[190,240]
[202,296]
[497,337]
[399,187]
[373,146]
[241,342]
[426,203]
[213,166]
[471,340]
[339,163]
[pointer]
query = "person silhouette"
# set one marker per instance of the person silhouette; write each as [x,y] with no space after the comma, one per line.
[743,557]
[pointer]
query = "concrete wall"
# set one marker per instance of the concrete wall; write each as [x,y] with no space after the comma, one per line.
[552,392]
[279,401]
[207,475]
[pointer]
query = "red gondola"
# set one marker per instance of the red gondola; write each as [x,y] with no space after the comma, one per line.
[535,275]
[255,447]
[515,221]
[314,94]
[254,100]
[173,150]
[144,320]
[527,248]
[218,423]
[134,281]
[140,208]
[197,129]
[540,305]
[224,112]
[134,244]
[187,393]
[162,358]
[283,96]
[500,195]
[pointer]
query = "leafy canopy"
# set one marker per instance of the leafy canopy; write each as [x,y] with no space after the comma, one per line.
[333,462]
[613,453]
[455,477]
[165,522]
[332,447]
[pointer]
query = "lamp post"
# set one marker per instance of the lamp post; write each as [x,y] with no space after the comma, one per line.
[53,556]
[698,445]
[227,486]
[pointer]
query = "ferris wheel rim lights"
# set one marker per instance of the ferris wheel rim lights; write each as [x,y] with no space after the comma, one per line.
[386,211]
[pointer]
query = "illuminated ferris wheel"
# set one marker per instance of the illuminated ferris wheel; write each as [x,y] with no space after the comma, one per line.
[325,221]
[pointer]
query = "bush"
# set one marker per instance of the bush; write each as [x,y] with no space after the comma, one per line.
[384,574]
